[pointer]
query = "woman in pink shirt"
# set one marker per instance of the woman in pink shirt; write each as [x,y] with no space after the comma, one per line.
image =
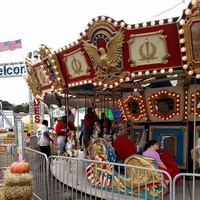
[151,149]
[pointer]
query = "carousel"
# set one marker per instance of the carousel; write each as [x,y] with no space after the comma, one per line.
[150,71]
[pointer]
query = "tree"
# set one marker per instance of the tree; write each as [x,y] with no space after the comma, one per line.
[21,108]
[16,108]
[7,106]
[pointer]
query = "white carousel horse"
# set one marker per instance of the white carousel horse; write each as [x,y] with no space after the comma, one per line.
[195,152]
[71,145]
[96,131]
[71,148]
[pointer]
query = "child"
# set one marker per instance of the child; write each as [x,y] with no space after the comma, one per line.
[71,144]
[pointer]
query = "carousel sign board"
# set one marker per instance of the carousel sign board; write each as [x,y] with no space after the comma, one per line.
[147,49]
[76,64]
[192,35]
[108,52]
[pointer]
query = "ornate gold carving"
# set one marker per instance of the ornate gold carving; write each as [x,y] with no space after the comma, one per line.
[31,79]
[192,41]
[106,59]
[149,177]
[148,49]
[50,61]
[150,181]
[165,59]
[147,55]
[98,24]
[76,66]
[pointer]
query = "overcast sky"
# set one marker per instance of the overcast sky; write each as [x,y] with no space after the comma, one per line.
[58,23]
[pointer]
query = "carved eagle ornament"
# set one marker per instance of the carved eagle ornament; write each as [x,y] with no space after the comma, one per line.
[108,58]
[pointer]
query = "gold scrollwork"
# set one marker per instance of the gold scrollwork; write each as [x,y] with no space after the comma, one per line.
[148,55]
[165,59]
[76,66]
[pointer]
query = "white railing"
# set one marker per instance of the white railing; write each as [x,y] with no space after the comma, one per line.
[68,178]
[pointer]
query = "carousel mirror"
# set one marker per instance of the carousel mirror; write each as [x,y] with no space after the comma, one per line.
[164,105]
[133,107]
[198,103]
[168,143]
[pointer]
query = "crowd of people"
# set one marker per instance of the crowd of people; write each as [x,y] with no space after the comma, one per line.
[66,133]
[65,126]
[65,129]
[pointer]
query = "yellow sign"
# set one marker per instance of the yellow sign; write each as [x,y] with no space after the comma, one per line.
[9,141]
[2,148]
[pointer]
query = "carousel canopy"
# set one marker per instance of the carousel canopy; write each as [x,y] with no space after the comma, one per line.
[116,64]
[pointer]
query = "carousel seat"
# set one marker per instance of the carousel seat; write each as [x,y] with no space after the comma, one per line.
[124,147]
[100,150]
[167,159]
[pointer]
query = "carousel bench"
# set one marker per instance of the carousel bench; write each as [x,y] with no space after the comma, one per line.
[132,178]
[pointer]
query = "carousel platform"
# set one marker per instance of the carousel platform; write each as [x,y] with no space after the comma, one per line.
[74,176]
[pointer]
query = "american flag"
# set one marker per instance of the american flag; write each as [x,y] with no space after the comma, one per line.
[104,179]
[10,45]
[4,46]
[90,174]
[15,44]
[89,171]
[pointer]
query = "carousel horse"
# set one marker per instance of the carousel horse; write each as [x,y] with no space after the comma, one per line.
[150,184]
[71,145]
[71,148]
[195,153]
[96,131]
[95,134]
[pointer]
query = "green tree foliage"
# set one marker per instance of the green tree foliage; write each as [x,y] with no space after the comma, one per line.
[24,107]
[7,106]
[16,108]
[21,108]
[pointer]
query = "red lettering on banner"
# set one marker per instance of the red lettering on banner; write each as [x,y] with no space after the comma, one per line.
[36,111]
[37,119]
[36,103]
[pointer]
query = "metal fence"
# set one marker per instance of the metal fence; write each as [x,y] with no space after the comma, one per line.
[39,167]
[7,155]
[70,178]
[63,178]
[188,188]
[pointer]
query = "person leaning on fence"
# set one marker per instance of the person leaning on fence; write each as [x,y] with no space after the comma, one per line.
[89,119]
[45,139]
[61,131]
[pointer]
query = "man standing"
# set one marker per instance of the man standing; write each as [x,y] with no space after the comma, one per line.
[105,125]
[71,116]
[61,132]
[45,139]
[89,120]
